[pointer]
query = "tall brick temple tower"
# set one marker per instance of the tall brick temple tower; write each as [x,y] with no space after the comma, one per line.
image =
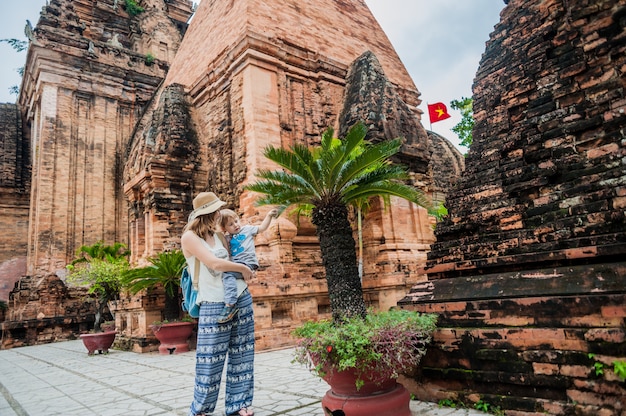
[86,82]
[277,73]
[528,270]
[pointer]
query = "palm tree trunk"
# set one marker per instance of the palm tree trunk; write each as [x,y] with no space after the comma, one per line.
[339,258]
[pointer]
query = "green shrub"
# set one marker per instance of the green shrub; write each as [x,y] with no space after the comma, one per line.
[132,8]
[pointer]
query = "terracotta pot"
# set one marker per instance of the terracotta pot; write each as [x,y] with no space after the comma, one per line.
[100,342]
[383,398]
[173,336]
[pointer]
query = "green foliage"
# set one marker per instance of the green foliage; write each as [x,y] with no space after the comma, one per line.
[447,403]
[149,59]
[482,406]
[101,251]
[349,171]
[599,368]
[439,211]
[386,343]
[100,267]
[165,270]
[619,368]
[132,8]
[328,179]
[3,305]
[464,128]
[18,45]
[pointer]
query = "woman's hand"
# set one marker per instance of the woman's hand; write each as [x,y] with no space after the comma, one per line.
[247,273]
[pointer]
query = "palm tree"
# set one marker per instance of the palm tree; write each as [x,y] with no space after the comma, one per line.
[101,251]
[166,269]
[329,179]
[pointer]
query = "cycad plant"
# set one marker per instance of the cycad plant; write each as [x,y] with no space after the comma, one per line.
[165,270]
[329,179]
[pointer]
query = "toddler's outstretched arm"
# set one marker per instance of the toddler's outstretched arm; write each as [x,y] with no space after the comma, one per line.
[268,219]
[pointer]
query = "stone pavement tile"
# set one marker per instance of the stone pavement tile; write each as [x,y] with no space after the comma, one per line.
[61,379]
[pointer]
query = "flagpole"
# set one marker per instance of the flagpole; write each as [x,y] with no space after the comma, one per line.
[429,120]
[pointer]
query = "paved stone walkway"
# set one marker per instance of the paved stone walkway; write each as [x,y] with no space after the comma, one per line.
[61,379]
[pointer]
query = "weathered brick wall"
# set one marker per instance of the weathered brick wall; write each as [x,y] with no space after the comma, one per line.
[85,85]
[527,271]
[43,310]
[158,174]
[14,198]
[544,181]
[92,83]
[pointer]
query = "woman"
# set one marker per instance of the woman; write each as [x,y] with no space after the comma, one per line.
[235,338]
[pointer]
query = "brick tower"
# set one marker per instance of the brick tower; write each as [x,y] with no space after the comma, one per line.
[87,79]
[528,271]
[254,73]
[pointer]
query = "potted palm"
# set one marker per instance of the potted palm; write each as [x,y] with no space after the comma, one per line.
[164,271]
[328,180]
[99,268]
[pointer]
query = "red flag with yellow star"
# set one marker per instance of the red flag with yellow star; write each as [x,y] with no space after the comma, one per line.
[437,112]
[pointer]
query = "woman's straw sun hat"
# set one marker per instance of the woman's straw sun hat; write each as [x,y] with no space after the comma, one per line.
[205,203]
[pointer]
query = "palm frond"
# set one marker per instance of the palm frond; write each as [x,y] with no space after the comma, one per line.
[388,188]
[295,160]
[336,159]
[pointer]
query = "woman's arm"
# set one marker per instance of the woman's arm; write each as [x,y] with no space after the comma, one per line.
[192,246]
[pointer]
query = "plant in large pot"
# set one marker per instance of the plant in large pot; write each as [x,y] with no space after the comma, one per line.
[164,271]
[328,180]
[99,268]
[364,356]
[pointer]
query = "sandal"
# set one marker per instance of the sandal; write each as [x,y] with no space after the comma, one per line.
[246,412]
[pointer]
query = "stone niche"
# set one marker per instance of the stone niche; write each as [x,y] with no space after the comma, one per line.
[527,272]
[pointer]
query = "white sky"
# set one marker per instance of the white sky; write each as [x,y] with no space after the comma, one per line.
[440,43]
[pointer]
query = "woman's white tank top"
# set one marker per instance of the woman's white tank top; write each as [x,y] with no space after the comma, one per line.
[210,286]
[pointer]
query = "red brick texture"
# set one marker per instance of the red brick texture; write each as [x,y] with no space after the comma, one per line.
[527,271]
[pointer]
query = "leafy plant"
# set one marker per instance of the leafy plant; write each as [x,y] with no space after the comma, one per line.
[447,403]
[149,59]
[102,278]
[439,211]
[102,251]
[383,343]
[329,179]
[599,368]
[482,406]
[619,368]
[464,128]
[132,8]
[19,46]
[165,270]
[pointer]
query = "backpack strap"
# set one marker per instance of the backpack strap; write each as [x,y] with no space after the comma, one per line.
[196,274]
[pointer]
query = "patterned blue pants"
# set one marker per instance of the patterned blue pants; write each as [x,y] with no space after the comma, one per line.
[234,340]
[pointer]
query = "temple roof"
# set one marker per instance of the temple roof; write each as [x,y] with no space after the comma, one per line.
[334,30]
